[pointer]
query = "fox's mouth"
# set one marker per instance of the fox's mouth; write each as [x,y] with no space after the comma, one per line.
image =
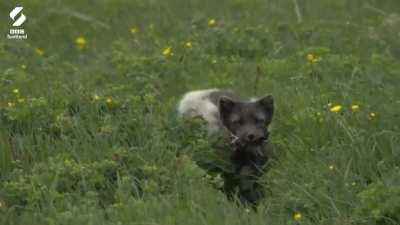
[243,143]
[259,141]
[256,142]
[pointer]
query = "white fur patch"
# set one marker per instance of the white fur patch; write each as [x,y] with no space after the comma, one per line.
[254,99]
[198,103]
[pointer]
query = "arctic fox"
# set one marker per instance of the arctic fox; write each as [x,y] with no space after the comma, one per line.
[246,122]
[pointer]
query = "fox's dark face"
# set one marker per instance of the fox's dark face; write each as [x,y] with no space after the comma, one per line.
[248,121]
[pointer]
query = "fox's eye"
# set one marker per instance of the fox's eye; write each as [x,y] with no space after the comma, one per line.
[260,121]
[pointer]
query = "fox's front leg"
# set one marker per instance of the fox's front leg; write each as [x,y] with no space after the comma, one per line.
[248,192]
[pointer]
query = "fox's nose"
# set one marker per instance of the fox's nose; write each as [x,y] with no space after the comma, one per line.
[251,137]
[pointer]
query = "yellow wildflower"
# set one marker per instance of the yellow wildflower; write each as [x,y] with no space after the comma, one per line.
[355,108]
[311,58]
[297,216]
[134,30]
[80,42]
[336,108]
[372,115]
[60,118]
[16,91]
[212,22]
[331,167]
[39,51]
[21,100]
[167,52]
[188,44]
[109,101]
[96,97]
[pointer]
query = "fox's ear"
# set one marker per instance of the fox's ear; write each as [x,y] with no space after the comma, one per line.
[267,103]
[225,106]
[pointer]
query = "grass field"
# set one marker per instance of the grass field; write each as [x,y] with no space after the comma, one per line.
[88,126]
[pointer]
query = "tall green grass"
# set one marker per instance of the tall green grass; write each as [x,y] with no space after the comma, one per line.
[92,136]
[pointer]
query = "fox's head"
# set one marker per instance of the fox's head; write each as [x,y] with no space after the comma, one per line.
[247,120]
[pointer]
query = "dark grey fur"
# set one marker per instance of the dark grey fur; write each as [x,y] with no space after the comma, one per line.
[247,122]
